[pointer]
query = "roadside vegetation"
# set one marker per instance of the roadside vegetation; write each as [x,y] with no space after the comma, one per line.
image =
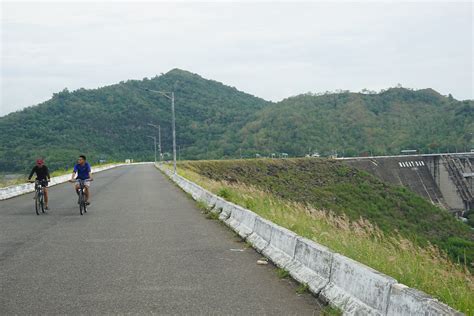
[385,227]
[8,181]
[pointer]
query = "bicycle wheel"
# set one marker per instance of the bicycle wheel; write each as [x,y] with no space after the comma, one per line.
[37,203]
[41,198]
[82,204]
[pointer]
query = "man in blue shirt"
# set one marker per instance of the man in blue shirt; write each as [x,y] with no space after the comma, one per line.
[82,171]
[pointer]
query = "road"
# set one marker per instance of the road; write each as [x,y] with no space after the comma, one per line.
[143,247]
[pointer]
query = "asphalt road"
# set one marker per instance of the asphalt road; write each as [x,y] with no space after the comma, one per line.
[143,247]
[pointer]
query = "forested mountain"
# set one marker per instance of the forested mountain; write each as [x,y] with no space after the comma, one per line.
[218,121]
[111,122]
[355,124]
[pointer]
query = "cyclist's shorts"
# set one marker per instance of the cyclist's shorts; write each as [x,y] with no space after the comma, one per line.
[87,183]
[44,183]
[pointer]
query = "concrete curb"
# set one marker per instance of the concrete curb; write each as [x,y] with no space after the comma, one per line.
[16,190]
[347,284]
[356,288]
[311,265]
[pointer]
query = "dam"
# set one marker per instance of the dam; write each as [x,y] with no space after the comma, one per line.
[444,179]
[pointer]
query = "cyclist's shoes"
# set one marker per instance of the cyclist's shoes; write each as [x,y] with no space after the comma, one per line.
[88,203]
[46,208]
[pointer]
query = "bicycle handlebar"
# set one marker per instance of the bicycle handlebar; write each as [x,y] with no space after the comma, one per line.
[74,180]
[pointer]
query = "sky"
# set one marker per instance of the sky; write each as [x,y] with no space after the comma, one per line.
[269,49]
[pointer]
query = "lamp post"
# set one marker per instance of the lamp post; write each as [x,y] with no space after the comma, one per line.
[159,137]
[173,123]
[154,140]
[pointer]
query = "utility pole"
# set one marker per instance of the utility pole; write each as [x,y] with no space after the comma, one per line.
[154,141]
[159,138]
[174,131]
[159,141]
[173,121]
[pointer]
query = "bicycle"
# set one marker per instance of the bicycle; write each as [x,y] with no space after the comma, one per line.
[39,197]
[82,199]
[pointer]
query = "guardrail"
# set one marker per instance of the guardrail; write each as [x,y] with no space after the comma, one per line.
[342,282]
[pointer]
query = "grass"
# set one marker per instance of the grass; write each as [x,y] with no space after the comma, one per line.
[282,273]
[212,216]
[303,288]
[202,206]
[207,210]
[330,311]
[346,191]
[419,265]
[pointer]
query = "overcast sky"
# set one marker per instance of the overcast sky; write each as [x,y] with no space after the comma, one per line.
[270,49]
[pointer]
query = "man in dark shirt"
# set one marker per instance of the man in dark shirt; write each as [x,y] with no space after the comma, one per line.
[42,175]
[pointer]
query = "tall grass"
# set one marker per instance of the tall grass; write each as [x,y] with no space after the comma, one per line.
[425,268]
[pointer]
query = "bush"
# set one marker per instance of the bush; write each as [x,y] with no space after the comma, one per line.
[224,193]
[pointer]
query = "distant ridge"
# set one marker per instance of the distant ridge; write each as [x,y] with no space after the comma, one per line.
[218,121]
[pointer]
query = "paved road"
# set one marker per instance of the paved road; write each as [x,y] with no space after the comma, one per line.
[143,247]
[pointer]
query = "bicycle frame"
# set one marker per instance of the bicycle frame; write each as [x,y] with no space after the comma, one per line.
[39,197]
[82,202]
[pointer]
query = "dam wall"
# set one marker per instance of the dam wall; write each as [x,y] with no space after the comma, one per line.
[445,180]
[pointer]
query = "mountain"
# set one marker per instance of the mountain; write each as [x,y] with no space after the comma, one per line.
[217,121]
[111,122]
[356,124]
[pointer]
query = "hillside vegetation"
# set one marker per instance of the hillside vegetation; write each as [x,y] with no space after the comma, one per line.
[385,227]
[216,121]
[111,122]
[353,124]
[343,190]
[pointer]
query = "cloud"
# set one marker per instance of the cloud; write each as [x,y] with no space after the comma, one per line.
[272,50]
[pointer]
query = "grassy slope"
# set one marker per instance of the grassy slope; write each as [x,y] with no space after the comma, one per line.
[334,186]
[297,191]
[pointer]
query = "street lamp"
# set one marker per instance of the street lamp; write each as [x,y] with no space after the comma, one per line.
[159,136]
[170,97]
[154,140]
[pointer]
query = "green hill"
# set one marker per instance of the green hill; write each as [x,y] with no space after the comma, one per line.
[354,124]
[216,121]
[111,122]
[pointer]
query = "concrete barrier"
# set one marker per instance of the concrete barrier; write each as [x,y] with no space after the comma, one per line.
[356,288]
[219,205]
[242,221]
[226,210]
[281,248]
[262,232]
[311,265]
[349,285]
[210,199]
[411,302]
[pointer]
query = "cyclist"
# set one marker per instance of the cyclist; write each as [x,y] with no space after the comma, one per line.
[42,175]
[82,171]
